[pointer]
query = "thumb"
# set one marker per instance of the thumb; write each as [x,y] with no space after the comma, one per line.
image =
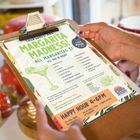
[77,123]
[76,127]
[75,130]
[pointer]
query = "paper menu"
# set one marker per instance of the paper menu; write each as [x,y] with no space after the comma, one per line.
[70,79]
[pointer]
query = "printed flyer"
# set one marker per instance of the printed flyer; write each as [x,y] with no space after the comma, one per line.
[71,80]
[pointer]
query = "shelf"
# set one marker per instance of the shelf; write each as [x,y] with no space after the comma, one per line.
[7,5]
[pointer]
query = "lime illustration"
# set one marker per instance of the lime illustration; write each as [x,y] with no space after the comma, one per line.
[42,71]
[107,81]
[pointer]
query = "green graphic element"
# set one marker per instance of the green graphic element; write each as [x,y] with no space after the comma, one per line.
[105,110]
[128,97]
[42,71]
[107,80]
[45,46]
[29,83]
[11,57]
[47,109]
[86,121]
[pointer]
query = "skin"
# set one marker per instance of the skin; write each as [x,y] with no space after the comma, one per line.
[44,131]
[117,44]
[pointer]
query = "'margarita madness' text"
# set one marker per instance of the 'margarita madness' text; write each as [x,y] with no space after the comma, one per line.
[45,46]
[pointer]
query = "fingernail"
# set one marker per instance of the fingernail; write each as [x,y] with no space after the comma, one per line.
[127,73]
[78,123]
[80,32]
[123,61]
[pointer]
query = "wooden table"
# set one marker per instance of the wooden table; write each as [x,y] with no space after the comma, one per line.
[120,122]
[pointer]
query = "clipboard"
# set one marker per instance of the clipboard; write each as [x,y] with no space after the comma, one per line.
[57,67]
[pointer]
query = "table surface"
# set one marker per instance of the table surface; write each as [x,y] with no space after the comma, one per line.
[11,131]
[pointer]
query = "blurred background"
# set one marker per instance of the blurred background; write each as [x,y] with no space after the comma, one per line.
[82,11]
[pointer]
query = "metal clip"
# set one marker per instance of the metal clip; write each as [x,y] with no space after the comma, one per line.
[35,26]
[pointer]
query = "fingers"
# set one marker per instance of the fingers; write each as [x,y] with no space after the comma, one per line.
[88,34]
[75,131]
[24,100]
[76,126]
[41,117]
[90,31]
[77,123]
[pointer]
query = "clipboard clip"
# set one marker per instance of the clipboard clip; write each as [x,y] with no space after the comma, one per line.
[35,26]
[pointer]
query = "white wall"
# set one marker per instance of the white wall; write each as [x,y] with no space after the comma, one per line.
[110,10]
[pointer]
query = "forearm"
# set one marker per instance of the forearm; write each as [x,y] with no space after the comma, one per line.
[130,48]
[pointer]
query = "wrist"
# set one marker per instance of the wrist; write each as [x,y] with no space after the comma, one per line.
[130,48]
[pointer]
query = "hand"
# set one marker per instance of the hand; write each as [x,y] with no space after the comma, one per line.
[24,100]
[44,131]
[112,41]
